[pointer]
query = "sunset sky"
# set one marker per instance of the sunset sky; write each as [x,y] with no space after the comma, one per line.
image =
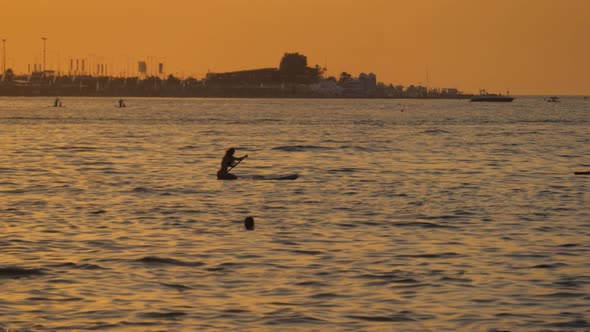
[525,46]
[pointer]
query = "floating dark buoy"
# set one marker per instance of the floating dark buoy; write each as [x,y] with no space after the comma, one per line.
[582,173]
[249,223]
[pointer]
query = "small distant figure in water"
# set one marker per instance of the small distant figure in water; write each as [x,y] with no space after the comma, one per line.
[57,103]
[121,103]
[228,161]
[249,223]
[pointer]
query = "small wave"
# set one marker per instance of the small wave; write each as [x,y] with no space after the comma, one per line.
[163,315]
[235,311]
[15,211]
[357,148]
[269,120]
[450,279]
[578,121]
[420,225]
[548,266]
[509,314]
[189,147]
[569,283]
[78,148]
[405,281]
[216,269]
[299,148]
[311,283]
[484,300]
[441,255]
[17,272]
[96,163]
[349,225]
[577,323]
[369,122]
[225,266]
[154,260]
[326,296]
[393,318]
[59,299]
[435,132]
[283,304]
[178,287]
[568,245]
[344,170]
[140,190]
[11,192]
[526,255]
[79,266]
[390,277]
[463,212]
[295,319]
[564,295]
[307,252]
[286,242]
[444,217]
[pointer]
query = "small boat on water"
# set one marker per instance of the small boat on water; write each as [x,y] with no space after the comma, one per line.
[553,99]
[484,96]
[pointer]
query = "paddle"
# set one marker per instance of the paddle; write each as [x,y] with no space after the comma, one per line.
[246,156]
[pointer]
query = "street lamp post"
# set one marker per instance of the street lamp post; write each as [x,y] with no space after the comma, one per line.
[4,57]
[44,48]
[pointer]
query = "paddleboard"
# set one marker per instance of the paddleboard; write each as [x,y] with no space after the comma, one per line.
[276,177]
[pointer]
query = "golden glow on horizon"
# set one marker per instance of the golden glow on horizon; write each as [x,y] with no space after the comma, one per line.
[526,46]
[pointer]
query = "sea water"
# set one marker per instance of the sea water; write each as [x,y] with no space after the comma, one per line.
[408,215]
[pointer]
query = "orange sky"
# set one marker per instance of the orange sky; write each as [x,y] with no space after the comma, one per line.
[526,46]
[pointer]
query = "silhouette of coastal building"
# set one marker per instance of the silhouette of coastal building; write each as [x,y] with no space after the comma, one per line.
[416,91]
[292,78]
[245,77]
[450,92]
[363,86]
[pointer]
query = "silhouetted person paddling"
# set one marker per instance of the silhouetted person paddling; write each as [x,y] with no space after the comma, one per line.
[57,103]
[249,223]
[227,163]
[121,103]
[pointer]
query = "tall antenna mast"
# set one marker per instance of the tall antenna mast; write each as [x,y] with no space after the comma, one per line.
[44,49]
[4,57]
[427,78]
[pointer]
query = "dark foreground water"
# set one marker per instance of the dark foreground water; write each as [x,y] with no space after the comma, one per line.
[446,216]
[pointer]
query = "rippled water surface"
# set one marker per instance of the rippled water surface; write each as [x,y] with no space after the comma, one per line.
[406,216]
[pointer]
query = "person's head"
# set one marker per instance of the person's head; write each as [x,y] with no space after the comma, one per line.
[249,223]
[230,151]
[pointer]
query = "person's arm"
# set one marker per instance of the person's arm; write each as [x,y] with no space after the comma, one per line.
[242,158]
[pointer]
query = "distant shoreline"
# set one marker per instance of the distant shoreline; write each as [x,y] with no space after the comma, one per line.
[226,97]
[12,89]
[206,91]
[463,97]
[258,83]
